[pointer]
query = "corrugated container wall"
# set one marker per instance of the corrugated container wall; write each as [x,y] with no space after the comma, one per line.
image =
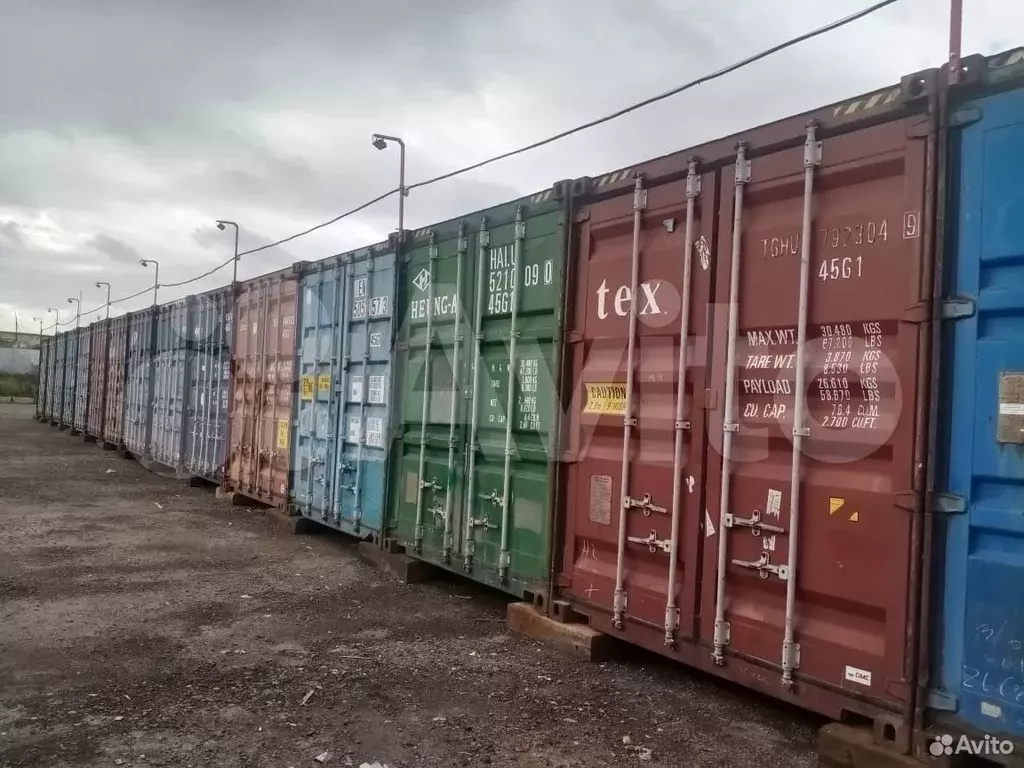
[342,423]
[114,408]
[478,359]
[67,415]
[139,382]
[82,347]
[56,401]
[263,362]
[209,385]
[738,501]
[171,362]
[980,650]
[98,334]
[44,376]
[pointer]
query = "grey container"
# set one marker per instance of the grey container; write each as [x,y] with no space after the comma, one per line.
[139,383]
[209,384]
[172,350]
[55,397]
[81,394]
[67,411]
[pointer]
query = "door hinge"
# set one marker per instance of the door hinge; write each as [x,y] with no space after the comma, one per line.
[957,308]
[941,701]
[935,503]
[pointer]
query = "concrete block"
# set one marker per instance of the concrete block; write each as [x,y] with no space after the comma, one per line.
[845,746]
[407,570]
[578,640]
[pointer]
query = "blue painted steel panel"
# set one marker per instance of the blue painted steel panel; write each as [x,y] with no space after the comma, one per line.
[209,384]
[55,405]
[981,657]
[82,346]
[171,362]
[67,415]
[342,410]
[139,383]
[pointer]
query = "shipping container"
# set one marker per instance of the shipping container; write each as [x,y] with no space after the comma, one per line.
[744,501]
[98,333]
[263,360]
[209,385]
[117,370]
[43,382]
[67,415]
[138,396]
[168,401]
[55,408]
[479,349]
[979,574]
[341,423]
[81,395]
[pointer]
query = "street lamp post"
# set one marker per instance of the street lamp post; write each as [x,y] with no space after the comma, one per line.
[156,276]
[78,309]
[56,315]
[380,141]
[100,284]
[221,224]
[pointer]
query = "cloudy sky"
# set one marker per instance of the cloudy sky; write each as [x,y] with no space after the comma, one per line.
[127,127]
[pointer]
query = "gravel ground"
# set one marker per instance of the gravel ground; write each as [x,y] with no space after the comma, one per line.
[143,623]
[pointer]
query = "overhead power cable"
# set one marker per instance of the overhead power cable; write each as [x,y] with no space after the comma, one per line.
[830,27]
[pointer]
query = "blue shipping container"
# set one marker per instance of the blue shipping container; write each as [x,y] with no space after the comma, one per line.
[55,403]
[209,384]
[67,416]
[981,649]
[342,414]
[171,362]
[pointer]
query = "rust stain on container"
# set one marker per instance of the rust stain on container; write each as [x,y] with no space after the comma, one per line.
[848,612]
[263,361]
[98,333]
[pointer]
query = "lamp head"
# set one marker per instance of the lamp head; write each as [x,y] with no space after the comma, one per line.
[143,262]
[379,143]
[220,225]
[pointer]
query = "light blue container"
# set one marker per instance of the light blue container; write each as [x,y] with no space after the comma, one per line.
[342,406]
[55,401]
[980,648]
[171,370]
[138,391]
[209,384]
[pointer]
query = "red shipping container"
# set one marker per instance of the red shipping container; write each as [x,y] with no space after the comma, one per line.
[262,361]
[696,556]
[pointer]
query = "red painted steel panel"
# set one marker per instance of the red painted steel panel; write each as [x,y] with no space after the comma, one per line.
[263,361]
[98,333]
[117,350]
[851,615]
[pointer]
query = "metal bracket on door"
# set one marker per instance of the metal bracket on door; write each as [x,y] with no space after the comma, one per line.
[482,522]
[432,484]
[643,504]
[494,497]
[653,542]
[765,567]
[753,523]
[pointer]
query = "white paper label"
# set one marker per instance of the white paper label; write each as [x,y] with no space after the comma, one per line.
[355,389]
[774,507]
[375,431]
[859,676]
[376,394]
[1011,409]
[353,429]
[991,710]
[709,527]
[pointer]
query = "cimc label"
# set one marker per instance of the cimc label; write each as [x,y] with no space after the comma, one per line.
[606,398]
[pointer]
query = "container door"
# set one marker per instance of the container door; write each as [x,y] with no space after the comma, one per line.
[633,470]
[982,656]
[810,577]
[363,432]
[315,480]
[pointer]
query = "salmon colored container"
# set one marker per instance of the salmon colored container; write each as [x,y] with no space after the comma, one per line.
[263,377]
[98,333]
[684,530]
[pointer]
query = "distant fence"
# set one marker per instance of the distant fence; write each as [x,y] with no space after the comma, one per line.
[19,360]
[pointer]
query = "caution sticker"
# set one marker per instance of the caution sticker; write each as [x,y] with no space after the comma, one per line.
[307,388]
[323,384]
[282,435]
[606,399]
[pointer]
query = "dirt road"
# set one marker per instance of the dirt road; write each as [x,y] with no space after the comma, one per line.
[143,623]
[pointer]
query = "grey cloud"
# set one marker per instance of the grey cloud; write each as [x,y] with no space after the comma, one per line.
[115,249]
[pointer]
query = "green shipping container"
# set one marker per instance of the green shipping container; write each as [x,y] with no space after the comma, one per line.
[480,312]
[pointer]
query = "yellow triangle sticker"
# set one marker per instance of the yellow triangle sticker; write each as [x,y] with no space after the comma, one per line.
[855,517]
[834,504]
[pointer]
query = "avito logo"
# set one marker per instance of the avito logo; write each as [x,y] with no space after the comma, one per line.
[988,745]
